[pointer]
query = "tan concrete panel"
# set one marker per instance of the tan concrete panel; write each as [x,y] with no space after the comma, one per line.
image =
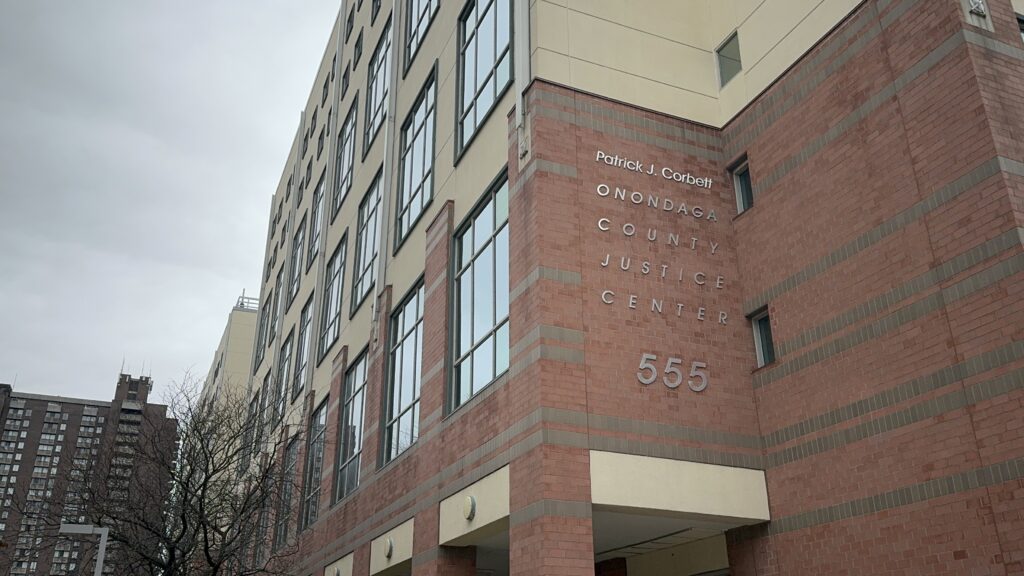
[707,555]
[644,92]
[488,498]
[628,481]
[679,21]
[399,540]
[342,567]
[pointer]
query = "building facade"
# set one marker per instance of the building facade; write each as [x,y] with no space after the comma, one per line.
[566,287]
[231,368]
[53,450]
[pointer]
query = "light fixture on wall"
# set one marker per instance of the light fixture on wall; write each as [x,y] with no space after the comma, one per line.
[978,8]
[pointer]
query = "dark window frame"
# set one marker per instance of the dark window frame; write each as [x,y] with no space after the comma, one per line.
[455,357]
[338,194]
[764,341]
[426,196]
[462,143]
[352,393]
[376,70]
[398,338]
[361,224]
[410,51]
[341,250]
[302,353]
[313,469]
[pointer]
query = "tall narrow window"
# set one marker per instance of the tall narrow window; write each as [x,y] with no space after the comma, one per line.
[284,508]
[405,360]
[314,464]
[417,161]
[744,189]
[378,81]
[729,64]
[316,221]
[346,157]
[334,278]
[420,15]
[261,335]
[366,244]
[275,317]
[296,261]
[302,352]
[350,429]
[485,62]
[481,297]
[284,371]
[763,343]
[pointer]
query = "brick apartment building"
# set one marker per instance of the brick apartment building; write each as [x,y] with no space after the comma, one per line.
[51,446]
[565,287]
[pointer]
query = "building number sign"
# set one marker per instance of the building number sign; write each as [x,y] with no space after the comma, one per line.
[672,376]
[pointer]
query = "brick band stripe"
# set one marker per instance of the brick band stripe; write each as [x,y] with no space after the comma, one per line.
[918,309]
[981,477]
[919,412]
[545,273]
[1010,239]
[542,508]
[980,364]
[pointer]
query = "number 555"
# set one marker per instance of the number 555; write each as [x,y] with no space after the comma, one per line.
[672,376]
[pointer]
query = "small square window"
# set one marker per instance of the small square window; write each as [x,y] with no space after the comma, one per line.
[763,343]
[744,188]
[1020,25]
[729,64]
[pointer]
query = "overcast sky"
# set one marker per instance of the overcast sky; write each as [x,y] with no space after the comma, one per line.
[139,145]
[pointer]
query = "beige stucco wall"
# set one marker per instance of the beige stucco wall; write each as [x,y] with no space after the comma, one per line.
[662,56]
[491,498]
[234,354]
[400,539]
[702,490]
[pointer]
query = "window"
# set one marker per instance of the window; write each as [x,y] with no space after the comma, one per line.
[316,222]
[346,157]
[314,464]
[481,296]
[309,172]
[278,297]
[357,50]
[744,189]
[763,338]
[374,9]
[350,429]
[350,23]
[344,82]
[296,263]
[327,87]
[484,62]
[320,142]
[417,162]
[420,15]
[302,352]
[334,277]
[729,64]
[1020,25]
[284,371]
[366,243]
[261,337]
[284,510]
[405,360]
[378,81]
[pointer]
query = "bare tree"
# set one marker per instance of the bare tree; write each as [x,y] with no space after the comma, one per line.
[214,493]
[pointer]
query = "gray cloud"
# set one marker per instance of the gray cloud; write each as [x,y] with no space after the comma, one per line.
[139,146]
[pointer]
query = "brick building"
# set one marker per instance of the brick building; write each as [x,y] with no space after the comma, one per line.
[565,287]
[51,447]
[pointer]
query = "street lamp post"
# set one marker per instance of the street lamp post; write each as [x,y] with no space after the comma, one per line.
[89,530]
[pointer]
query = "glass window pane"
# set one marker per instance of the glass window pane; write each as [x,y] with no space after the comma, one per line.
[483,364]
[501,288]
[483,225]
[465,380]
[469,74]
[485,45]
[501,350]
[483,294]
[466,312]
